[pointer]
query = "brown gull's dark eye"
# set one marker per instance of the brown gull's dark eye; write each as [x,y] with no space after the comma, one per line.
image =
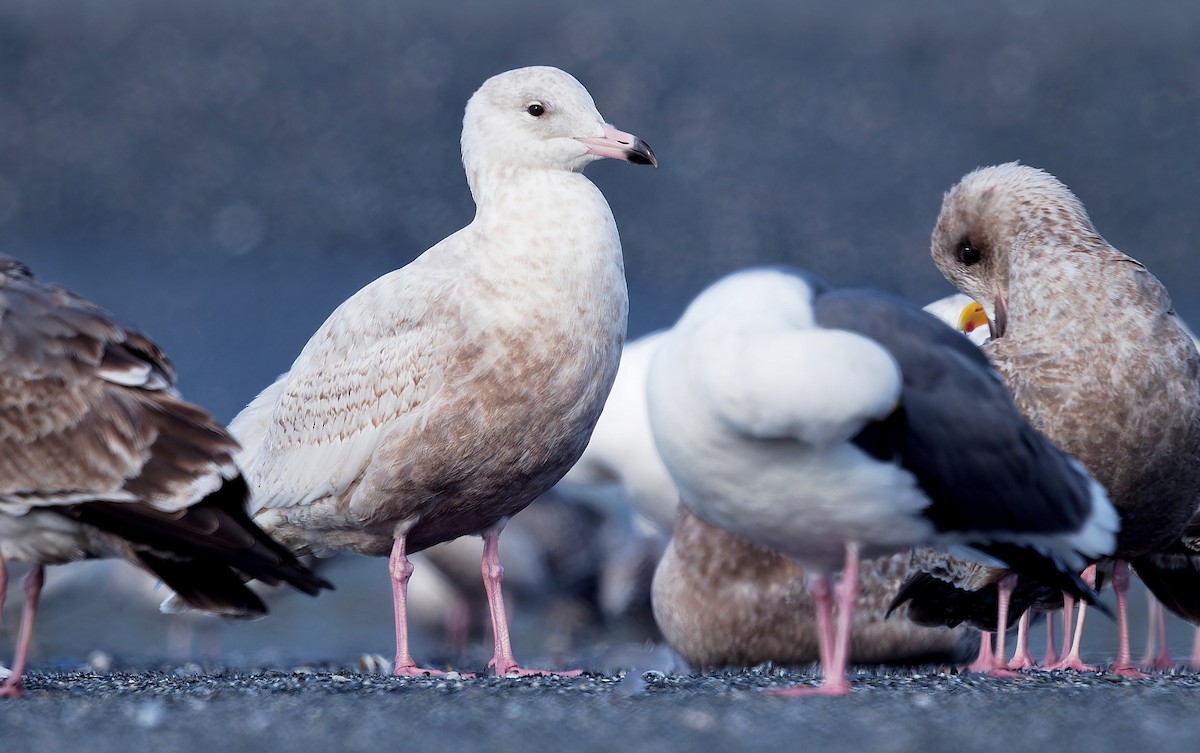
[535,109]
[968,254]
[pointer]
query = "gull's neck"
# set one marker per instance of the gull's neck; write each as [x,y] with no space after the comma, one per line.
[551,233]
[505,188]
[1060,279]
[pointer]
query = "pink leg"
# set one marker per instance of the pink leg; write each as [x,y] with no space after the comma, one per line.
[1152,616]
[833,667]
[401,570]
[1051,655]
[33,589]
[847,593]
[502,658]
[1194,664]
[1072,659]
[1160,659]
[1067,612]
[1022,659]
[458,624]
[986,658]
[180,639]
[1124,663]
[821,588]
[1005,587]
[3,588]
[3,592]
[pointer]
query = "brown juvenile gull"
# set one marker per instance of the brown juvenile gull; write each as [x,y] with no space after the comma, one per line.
[447,395]
[722,601]
[100,457]
[826,423]
[1090,346]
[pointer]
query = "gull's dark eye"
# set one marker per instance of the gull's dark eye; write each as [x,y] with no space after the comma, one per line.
[536,109]
[968,254]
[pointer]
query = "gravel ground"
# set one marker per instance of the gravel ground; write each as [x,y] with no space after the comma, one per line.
[184,708]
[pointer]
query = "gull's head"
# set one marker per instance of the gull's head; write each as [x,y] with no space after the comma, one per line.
[757,298]
[541,118]
[992,217]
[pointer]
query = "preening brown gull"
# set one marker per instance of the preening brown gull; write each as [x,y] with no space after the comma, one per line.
[1090,346]
[101,457]
[447,395]
[827,423]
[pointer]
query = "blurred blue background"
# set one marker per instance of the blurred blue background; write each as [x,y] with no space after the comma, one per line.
[223,173]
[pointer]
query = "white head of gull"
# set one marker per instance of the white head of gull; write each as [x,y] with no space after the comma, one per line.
[828,423]
[444,397]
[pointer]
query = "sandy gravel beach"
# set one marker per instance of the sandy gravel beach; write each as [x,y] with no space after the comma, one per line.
[178,709]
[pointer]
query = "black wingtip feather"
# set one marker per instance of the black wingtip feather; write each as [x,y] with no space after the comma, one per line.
[203,542]
[1046,569]
[937,603]
[931,601]
[208,585]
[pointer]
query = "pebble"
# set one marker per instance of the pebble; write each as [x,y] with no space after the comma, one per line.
[100,661]
[149,714]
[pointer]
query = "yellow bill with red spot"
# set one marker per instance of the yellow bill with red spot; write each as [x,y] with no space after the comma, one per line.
[972,317]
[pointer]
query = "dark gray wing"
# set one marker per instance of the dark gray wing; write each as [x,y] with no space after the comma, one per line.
[936,603]
[957,430]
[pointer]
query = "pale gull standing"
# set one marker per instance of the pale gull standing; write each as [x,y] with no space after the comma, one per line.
[829,423]
[100,457]
[1091,348]
[447,395]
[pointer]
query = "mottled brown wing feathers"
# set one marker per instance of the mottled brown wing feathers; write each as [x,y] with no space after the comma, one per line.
[92,428]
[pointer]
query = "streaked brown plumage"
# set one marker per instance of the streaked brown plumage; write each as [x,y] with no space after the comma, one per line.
[1088,343]
[722,601]
[100,457]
